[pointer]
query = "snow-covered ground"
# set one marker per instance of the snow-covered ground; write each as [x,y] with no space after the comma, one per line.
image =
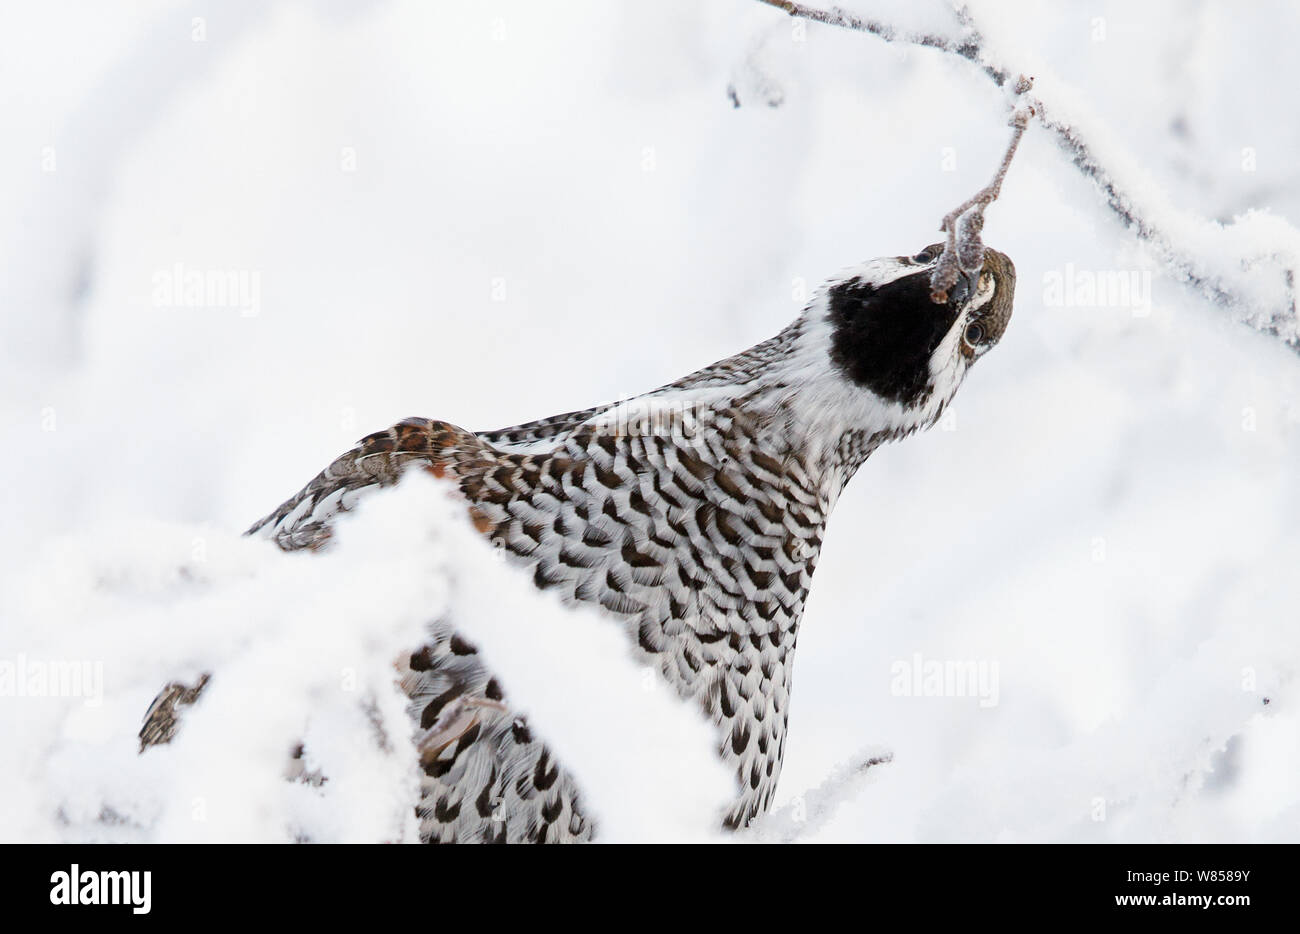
[490,213]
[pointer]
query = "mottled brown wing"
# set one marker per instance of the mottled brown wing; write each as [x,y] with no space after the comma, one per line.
[378,460]
[162,719]
[304,521]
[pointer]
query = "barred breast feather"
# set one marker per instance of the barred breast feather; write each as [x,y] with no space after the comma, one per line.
[687,515]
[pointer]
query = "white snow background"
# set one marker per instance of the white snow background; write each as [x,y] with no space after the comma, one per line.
[490,213]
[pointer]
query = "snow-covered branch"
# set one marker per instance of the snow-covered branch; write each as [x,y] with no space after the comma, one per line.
[1248,267]
[972,51]
[810,811]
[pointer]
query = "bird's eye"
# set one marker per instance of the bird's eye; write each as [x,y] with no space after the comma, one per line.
[974,333]
[924,257]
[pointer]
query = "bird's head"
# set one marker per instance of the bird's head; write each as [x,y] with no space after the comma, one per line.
[889,337]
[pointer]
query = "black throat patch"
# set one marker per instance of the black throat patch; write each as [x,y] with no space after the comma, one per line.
[882,337]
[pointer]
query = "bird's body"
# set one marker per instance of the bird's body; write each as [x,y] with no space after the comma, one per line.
[693,515]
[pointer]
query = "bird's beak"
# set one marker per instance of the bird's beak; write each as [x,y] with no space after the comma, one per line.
[963,288]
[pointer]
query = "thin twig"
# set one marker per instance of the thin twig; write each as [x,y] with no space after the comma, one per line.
[965,253]
[989,192]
